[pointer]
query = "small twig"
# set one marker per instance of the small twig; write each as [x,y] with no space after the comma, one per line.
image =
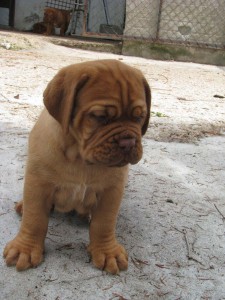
[48,67]
[47,237]
[219,96]
[66,246]
[191,255]
[161,266]
[21,106]
[205,279]
[181,231]
[135,263]
[143,262]
[138,263]
[17,86]
[4,97]
[107,288]
[223,217]
[51,280]
[164,77]
[183,99]
[119,296]
[161,279]
[54,234]
[187,243]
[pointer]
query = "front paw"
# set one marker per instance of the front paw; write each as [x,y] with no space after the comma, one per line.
[109,257]
[24,253]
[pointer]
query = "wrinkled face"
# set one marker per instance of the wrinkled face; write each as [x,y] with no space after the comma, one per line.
[108,121]
[48,16]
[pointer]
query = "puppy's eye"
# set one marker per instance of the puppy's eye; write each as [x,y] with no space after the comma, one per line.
[102,119]
[138,119]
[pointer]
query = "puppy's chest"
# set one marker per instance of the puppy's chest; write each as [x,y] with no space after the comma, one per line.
[71,197]
[80,175]
[76,189]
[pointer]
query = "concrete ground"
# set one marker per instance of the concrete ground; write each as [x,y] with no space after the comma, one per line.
[172,219]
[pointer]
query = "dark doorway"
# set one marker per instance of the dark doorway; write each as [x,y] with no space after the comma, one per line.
[7,9]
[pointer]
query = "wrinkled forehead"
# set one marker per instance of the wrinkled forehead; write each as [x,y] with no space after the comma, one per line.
[124,90]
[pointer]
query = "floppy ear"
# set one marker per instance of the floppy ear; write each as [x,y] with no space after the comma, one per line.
[148,103]
[60,97]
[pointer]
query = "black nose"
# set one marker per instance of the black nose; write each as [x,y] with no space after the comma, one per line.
[126,144]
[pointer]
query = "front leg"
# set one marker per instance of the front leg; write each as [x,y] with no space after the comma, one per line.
[107,254]
[50,29]
[26,249]
[63,29]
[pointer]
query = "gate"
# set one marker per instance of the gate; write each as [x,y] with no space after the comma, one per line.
[198,23]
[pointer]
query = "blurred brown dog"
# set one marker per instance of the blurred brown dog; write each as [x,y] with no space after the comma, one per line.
[79,150]
[40,27]
[58,18]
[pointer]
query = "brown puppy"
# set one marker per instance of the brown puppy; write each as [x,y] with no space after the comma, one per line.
[40,27]
[79,151]
[58,18]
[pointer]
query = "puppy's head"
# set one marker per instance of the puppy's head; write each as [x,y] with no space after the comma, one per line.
[105,105]
[49,15]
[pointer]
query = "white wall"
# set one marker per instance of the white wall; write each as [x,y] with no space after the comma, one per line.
[28,12]
[4,16]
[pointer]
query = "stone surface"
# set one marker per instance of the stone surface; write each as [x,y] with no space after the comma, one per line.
[172,217]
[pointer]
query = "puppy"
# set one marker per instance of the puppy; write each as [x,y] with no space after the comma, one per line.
[39,27]
[58,18]
[79,150]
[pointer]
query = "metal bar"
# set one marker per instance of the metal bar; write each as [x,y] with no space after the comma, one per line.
[76,7]
[85,18]
[105,4]
[11,12]
[159,19]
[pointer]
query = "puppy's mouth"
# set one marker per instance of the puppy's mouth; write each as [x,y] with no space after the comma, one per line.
[113,148]
[114,164]
[119,164]
[114,156]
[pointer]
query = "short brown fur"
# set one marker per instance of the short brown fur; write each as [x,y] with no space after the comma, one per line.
[79,151]
[56,18]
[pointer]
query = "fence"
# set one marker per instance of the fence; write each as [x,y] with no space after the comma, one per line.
[194,22]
